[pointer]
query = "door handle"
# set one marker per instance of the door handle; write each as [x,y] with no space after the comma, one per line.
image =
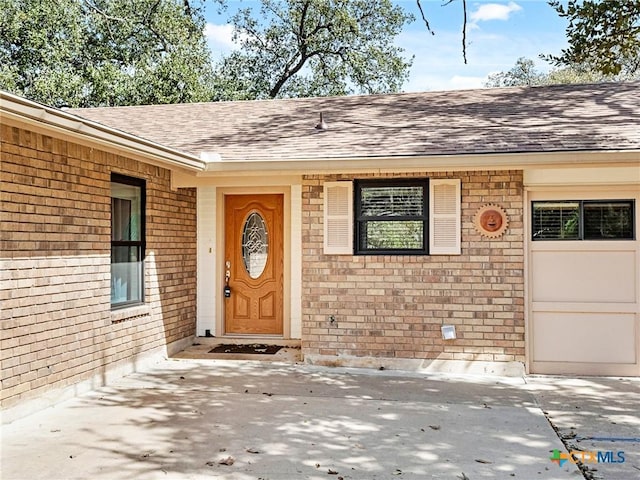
[227,276]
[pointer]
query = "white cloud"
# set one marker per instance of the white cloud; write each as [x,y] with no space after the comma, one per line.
[459,82]
[494,11]
[220,37]
[423,81]
[428,82]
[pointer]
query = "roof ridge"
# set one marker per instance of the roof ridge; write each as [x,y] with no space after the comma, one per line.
[459,92]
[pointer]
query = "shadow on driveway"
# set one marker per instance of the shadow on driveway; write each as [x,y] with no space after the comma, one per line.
[276,421]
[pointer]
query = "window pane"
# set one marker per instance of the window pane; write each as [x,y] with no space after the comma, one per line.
[255,245]
[556,220]
[608,220]
[127,240]
[126,274]
[391,201]
[392,235]
[125,212]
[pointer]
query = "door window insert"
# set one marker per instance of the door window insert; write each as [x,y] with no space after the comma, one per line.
[583,220]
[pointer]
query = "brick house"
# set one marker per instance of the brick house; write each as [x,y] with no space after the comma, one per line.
[358,226]
[60,334]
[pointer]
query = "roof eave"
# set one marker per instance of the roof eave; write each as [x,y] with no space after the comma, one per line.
[27,112]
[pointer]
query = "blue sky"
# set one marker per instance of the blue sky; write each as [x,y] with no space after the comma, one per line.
[498,33]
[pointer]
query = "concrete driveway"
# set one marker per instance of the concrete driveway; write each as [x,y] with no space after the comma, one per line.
[197,419]
[594,416]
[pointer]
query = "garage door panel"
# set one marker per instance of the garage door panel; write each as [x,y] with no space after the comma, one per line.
[583,301]
[584,337]
[603,369]
[584,307]
[584,276]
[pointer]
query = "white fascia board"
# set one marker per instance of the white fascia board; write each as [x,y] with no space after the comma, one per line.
[31,113]
[483,161]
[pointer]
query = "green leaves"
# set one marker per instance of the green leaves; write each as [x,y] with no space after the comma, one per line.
[39,40]
[524,73]
[603,34]
[83,53]
[604,45]
[315,48]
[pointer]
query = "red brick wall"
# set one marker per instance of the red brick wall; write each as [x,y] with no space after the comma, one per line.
[56,321]
[393,305]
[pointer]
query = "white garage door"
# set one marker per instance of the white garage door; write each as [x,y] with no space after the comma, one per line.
[584,283]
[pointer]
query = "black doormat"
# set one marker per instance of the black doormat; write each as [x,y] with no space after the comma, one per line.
[254,348]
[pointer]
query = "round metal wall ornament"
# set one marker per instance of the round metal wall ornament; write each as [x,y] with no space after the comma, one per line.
[491,221]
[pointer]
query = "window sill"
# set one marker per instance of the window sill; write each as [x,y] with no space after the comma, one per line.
[124,314]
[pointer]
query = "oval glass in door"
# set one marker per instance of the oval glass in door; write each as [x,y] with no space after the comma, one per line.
[255,245]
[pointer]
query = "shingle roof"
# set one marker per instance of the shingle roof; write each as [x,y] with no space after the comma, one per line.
[506,120]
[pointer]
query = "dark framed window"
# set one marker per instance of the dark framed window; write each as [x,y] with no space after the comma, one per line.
[583,220]
[391,216]
[128,198]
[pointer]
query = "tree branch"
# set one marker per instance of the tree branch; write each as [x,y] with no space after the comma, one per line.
[464,26]
[424,18]
[286,76]
[257,37]
[290,72]
[464,31]
[303,17]
[148,22]
[187,8]
[94,7]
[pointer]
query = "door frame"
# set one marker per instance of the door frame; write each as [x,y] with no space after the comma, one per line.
[221,194]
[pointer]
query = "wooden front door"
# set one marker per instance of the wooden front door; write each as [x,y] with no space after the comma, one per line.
[254,250]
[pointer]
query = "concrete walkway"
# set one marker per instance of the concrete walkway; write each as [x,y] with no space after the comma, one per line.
[278,421]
